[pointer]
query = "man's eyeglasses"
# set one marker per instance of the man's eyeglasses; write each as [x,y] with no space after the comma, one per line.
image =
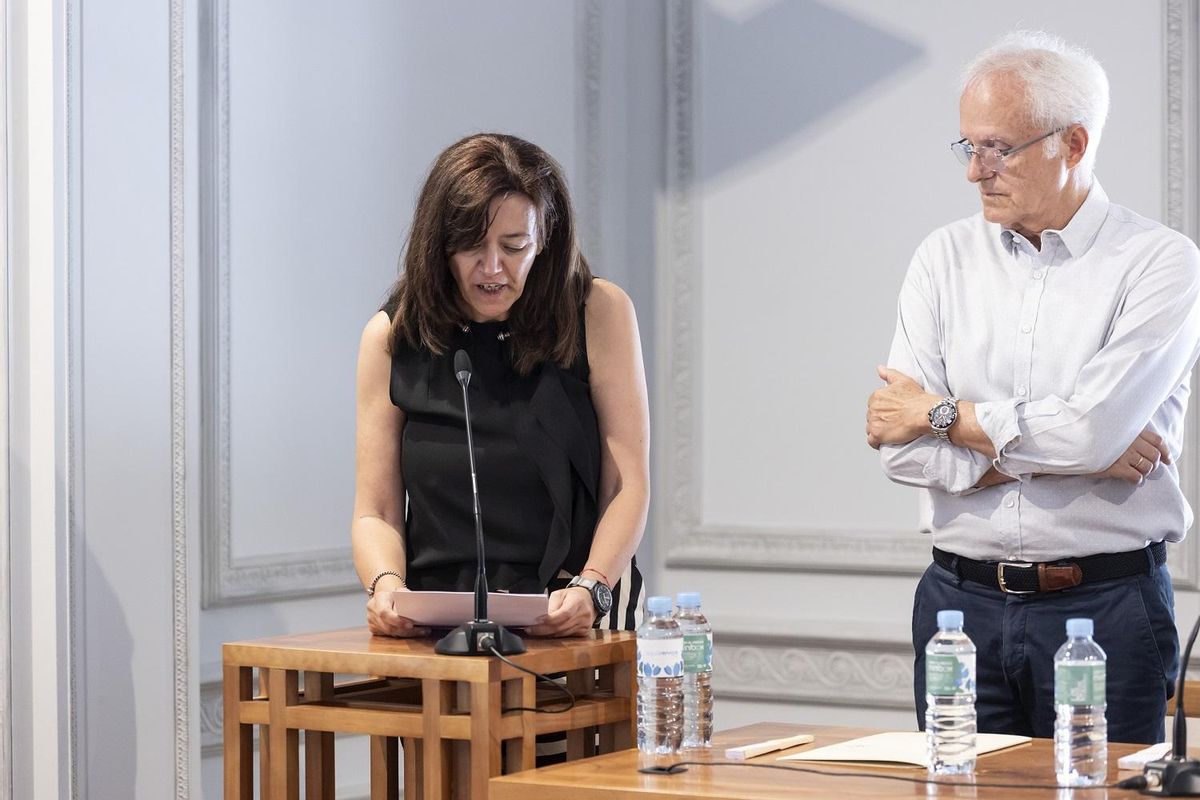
[992,158]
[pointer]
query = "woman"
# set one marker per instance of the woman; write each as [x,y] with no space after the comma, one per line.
[558,403]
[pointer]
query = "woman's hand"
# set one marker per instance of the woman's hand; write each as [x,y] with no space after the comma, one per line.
[571,613]
[383,620]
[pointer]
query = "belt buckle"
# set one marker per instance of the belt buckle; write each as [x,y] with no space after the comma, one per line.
[1000,565]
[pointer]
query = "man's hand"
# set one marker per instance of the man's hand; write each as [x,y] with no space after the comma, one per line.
[1139,459]
[899,412]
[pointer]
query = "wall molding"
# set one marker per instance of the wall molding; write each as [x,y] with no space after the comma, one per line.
[821,670]
[1182,212]
[73,378]
[691,542]
[181,612]
[227,580]
[589,65]
[6,765]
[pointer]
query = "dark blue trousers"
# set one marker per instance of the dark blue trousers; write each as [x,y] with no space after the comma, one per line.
[1016,637]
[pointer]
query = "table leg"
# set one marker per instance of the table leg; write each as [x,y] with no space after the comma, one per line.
[264,736]
[318,745]
[385,768]
[521,754]
[413,768]
[624,734]
[282,741]
[581,742]
[485,736]
[437,698]
[239,738]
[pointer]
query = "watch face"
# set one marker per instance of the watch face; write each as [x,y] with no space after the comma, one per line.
[602,596]
[942,416]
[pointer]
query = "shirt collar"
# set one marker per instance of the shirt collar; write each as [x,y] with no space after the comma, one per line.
[1081,231]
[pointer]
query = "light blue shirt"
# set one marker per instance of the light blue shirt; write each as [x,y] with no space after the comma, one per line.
[1068,353]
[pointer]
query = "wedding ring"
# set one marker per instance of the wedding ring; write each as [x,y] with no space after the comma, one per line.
[1138,465]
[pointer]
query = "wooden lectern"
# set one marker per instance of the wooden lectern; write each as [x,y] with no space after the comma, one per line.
[450,711]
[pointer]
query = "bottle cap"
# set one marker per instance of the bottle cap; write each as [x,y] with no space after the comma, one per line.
[1077,628]
[658,605]
[950,619]
[688,599]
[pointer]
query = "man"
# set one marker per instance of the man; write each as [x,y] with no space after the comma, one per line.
[1036,386]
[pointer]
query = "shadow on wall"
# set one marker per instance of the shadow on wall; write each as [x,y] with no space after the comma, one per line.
[782,68]
[107,683]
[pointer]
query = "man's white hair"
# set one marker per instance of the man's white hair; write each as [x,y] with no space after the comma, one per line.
[1064,84]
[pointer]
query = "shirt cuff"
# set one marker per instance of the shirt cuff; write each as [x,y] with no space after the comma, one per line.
[998,420]
[955,469]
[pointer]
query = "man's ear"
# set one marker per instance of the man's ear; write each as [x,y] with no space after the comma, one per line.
[1076,140]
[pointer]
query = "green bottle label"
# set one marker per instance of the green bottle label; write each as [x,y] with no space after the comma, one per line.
[1080,684]
[697,652]
[947,675]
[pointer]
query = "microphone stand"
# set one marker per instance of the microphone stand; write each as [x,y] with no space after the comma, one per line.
[479,636]
[1177,776]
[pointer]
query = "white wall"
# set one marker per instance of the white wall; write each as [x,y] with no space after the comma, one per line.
[811,159]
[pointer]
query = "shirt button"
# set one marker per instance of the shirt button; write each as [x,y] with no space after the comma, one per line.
[1026,329]
[1009,503]
[1021,391]
[1037,276]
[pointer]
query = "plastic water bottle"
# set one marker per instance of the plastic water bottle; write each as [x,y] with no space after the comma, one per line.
[660,681]
[697,671]
[1080,729]
[950,698]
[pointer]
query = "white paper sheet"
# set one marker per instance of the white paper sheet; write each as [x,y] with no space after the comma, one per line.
[897,748]
[451,609]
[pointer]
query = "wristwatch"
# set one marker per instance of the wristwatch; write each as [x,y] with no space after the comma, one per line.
[942,416]
[601,594]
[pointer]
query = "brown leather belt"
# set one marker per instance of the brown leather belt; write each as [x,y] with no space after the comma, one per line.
[1024,577]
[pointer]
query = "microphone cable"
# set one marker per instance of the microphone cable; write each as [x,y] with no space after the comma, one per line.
[570,697]
[1134,782]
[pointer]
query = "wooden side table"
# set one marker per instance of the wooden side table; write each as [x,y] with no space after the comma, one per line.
[450,711]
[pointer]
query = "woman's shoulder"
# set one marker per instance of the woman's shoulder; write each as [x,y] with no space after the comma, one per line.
[608,311]
[376,333]
[606,303]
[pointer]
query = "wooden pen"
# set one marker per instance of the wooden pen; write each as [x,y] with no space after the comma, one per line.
[769,746]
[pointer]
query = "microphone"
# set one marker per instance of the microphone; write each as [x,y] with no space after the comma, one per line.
[1177,776]
[480,636]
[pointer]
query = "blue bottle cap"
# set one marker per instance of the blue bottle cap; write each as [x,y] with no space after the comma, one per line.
[688,599]
[658,605]
[1078,628]
[950,619]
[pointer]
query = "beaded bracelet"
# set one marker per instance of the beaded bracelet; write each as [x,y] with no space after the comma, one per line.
[371,588]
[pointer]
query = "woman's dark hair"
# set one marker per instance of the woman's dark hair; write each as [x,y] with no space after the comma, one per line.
[452,216]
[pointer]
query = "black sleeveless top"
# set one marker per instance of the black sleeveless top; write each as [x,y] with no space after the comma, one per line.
[537,458]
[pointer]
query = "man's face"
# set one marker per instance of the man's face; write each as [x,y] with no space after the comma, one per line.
[1026,193]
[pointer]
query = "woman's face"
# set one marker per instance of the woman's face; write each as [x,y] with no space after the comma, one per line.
[491,275]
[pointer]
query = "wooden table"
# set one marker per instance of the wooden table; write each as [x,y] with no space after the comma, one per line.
[614,776]
[448,709]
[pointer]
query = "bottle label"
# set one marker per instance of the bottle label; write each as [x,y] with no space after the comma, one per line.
[697,652]
[947,675]
[1080,684]
[660,658]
